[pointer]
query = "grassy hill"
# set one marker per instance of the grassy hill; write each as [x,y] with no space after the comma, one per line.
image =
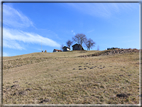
[66,78]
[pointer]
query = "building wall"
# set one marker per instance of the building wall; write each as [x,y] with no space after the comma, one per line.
[55,50]
[66,49]
[77,47]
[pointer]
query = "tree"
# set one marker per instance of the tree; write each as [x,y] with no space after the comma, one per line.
[89,43]
[79,38]
[69,43]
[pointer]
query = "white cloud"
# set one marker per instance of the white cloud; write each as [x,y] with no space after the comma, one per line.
[14,18]
[73,32]
[12,44]
[11,37]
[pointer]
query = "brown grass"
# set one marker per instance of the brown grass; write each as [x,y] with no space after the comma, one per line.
[65,78]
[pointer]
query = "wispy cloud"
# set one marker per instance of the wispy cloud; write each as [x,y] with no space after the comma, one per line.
[73,32]
[92,9]
[102,9]
[12,36]
[14,18]
[12,44]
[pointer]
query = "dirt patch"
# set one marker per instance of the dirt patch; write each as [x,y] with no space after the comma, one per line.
[22,93]
[45,100]
[122,95]
[28,89]
[15,81]
[15,86]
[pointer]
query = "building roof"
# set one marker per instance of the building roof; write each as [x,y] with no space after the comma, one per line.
[66,47]
[78,45]
[57,50]
[75,45]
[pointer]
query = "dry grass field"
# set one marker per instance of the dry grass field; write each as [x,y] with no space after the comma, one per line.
[65,78]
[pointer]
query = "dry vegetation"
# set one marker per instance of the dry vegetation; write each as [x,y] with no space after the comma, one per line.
[65,78]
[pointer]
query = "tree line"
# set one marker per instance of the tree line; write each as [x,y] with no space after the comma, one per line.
[81,39]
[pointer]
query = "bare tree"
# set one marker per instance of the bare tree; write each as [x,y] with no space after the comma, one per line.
[89,43]
[69,43]
[79,38]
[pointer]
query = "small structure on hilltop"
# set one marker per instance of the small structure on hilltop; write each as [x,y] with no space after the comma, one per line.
[66,48]
[112,48]
[77,47]
[56,50]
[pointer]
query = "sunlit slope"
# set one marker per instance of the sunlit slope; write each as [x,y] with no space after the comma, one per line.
[65,78]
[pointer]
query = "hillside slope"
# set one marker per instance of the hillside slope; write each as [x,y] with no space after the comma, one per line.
[66,78]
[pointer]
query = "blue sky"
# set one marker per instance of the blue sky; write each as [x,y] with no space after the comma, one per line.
[28,26]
